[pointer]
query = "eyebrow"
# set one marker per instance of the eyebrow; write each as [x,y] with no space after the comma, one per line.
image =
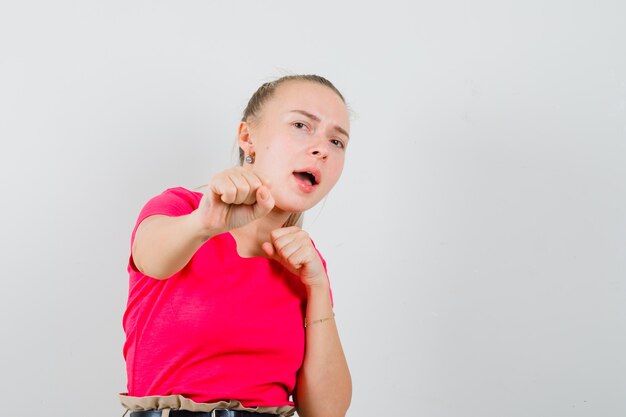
[317,119]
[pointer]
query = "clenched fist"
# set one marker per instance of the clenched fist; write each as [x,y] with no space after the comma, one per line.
[293,248]
[234,198]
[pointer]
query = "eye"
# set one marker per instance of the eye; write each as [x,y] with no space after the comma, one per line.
[299,125]
[337,143]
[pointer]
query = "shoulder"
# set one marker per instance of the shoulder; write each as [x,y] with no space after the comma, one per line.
[183,193]
[175,201]
[179,199]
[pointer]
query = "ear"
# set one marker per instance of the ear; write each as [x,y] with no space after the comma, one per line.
[244,139]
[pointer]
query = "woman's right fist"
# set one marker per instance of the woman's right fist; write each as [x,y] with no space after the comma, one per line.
[234,198]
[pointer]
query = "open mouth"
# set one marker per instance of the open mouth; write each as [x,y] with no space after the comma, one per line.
[307,177]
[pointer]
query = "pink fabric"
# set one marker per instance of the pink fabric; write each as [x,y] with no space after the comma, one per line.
[222,328]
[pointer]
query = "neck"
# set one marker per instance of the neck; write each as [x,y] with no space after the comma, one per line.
[251,236]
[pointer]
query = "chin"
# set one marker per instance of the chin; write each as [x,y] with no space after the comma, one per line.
[293,206]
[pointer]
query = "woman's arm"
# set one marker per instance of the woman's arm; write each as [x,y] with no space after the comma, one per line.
[324,386]
[163,245]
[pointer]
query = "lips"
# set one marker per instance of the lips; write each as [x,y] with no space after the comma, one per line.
[310,175]
[308,178]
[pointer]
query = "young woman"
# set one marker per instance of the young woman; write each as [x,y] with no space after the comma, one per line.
[230,310]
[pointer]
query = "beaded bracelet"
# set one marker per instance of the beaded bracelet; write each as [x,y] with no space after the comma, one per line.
[318,321]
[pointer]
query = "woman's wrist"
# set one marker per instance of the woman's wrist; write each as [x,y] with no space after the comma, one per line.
[199,229]
[318,285]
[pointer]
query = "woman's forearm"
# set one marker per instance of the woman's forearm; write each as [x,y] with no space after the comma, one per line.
[163,245]
[324,385]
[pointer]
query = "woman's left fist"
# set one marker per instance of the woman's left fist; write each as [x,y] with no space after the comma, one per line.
[292,247]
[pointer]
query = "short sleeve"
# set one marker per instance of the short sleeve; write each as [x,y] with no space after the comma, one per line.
[171,202]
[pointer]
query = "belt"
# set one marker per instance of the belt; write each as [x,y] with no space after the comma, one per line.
[214,413]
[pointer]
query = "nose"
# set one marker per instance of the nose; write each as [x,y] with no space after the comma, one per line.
[319,148]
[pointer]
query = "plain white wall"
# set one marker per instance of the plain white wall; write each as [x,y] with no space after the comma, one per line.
[475,243]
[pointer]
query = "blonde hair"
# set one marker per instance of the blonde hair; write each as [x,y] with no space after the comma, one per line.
[261,96]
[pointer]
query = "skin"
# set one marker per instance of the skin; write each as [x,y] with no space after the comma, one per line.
[303,125]
[283,140]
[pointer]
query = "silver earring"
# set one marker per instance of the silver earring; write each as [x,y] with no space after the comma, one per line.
[249,159]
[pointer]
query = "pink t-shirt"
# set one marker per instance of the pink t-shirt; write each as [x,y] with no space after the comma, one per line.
[222,328]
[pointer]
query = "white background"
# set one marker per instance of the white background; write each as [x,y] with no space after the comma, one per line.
[476,241]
